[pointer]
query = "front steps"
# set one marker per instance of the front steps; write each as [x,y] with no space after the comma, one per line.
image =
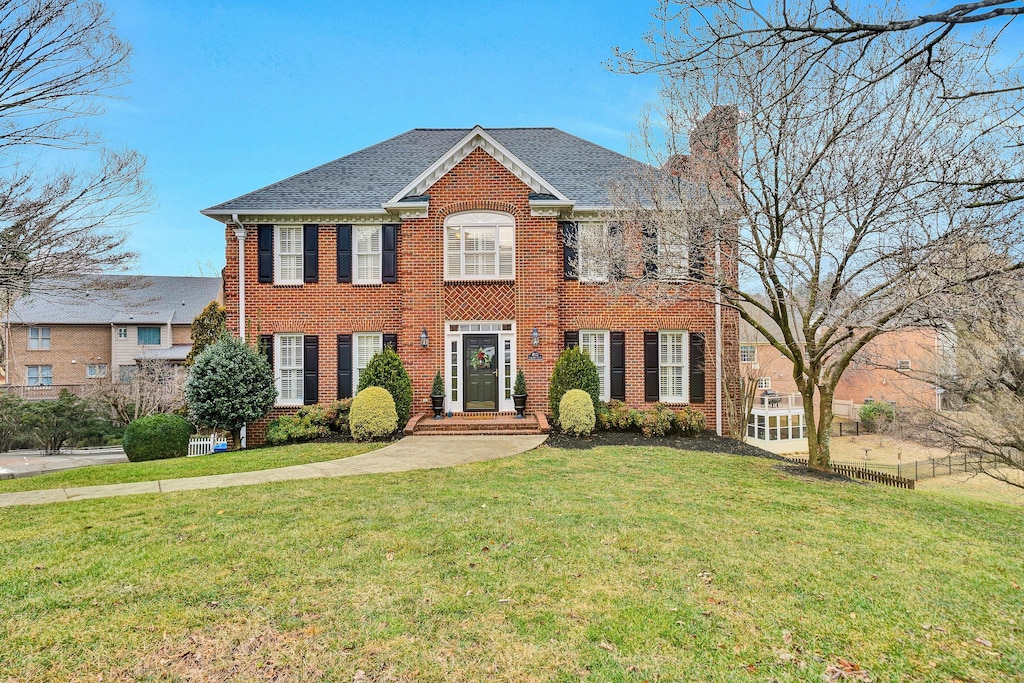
[477,424]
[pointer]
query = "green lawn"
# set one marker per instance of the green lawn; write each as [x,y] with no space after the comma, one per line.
[175,468]
[611,564]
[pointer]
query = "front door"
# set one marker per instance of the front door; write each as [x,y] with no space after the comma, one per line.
[480,368]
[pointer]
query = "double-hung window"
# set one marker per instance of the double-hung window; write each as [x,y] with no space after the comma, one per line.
[289,369]
[479,246]
[96,371]
[748,353]
[595,343]
[122,333]
[672,352]
[365,345]
[38,338]
[39,375]
[592,252]
[149,336]
[764,382]
[673,252]
[366,254]
[288,254]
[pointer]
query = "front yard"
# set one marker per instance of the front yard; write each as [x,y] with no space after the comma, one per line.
[606,564]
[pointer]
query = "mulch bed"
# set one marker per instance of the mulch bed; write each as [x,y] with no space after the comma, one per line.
[708,442]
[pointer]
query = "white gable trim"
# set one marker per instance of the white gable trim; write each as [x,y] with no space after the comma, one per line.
[478,137]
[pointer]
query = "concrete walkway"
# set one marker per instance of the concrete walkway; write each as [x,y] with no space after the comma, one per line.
[410,453]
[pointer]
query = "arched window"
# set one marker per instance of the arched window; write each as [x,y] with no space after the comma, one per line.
[479,245]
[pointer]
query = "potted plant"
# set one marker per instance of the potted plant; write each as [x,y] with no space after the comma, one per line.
[519,394]
[437,397]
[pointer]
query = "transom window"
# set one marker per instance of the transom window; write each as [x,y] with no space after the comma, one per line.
[672,349]
[595,343]
[288,254]
[39,375]
[366,254]
[39,338]
[748,353]
[365,345]
[289,368]
[479,246]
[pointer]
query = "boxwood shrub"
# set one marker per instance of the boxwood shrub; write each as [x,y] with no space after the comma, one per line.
[573,370]
[373,414]
[576,413]
[156,437]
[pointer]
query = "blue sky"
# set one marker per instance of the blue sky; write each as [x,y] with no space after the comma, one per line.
[227,97]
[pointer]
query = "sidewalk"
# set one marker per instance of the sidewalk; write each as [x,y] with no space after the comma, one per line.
[410,453]
[18,464]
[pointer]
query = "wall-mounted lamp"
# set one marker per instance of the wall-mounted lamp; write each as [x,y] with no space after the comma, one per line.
[535,337]
[424,338]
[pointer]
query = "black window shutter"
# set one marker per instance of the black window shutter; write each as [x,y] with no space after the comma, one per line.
[696,367]
[390,340]
[265,252]
[310,253]
[572,339]
[696,255]
[389,253]
[344,253]
[652,375]
[266,347]
[344,366]
[569,252]
[617,267]
[618,362]
[650,248]
[310,369]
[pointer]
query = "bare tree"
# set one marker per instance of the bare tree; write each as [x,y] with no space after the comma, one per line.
[851,210]
[156,386]
[58,60]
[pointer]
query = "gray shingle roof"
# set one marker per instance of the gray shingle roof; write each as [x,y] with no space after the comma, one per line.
[579,169]
[158,300]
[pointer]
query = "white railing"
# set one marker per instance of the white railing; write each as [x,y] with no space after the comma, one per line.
[201,445]
[772,402]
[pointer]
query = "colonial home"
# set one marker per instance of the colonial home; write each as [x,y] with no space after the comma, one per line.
[475,253]
[72,341]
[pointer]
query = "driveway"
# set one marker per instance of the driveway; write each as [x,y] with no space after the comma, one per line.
[16,464]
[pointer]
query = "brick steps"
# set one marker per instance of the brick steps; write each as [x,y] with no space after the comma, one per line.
[476,424]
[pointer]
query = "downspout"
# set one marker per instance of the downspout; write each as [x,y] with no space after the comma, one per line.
[718,334]
[240,234]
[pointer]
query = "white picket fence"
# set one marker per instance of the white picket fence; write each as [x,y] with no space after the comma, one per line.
[201,445]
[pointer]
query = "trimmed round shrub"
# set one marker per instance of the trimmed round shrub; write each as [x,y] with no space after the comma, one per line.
[576,413]
[373,415]
[156,437]
[877,416]
[658,421]
[385,370]
[573,370]
[690,421]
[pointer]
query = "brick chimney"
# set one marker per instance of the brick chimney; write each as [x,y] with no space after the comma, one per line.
[714,149]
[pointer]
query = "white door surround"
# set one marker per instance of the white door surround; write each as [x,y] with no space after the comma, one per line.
[454,370]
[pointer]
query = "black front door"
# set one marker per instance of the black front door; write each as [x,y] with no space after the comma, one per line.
[480,366]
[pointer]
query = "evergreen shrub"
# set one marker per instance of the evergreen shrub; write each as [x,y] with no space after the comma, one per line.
[373,414]
[385,370]
[156,437]
[573,370]
[576,413]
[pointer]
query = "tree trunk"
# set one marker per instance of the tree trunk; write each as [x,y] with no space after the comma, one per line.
[236,439]
[819,428]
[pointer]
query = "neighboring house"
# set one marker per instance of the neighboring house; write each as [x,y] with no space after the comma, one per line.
[76,340]
[475,252]
[896,367]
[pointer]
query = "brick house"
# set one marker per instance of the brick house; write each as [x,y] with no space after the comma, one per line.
[472,252]
[52,342]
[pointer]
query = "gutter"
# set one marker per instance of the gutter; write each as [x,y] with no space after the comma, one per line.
[718,336]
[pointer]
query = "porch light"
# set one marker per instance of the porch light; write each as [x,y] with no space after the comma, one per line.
[424,338]
[535,337]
